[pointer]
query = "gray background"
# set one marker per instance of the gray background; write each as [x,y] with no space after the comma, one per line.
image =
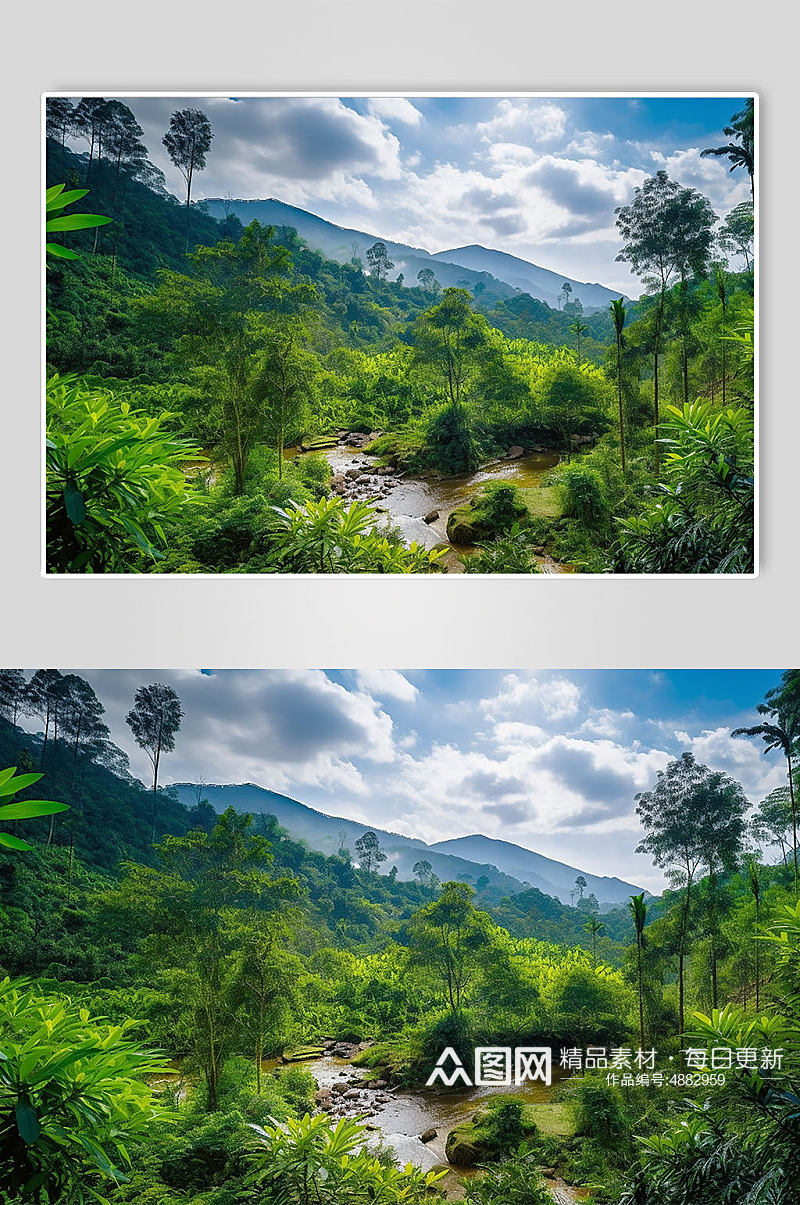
[359,45]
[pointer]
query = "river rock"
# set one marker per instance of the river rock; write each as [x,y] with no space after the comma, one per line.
[323,1097]
[352,474]
[429,1134]
[431,516]
[377,1084]
[363,478]
[515,452]
[386,470]
[352,1094]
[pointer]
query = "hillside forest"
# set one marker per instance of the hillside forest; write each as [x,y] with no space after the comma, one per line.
[227,399]
[198,1008]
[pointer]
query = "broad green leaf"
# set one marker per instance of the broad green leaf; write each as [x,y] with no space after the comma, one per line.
[10,786]
[53,192]
[14,842]
[30,808]
[77,221]
[27,1123]
[74,505]
[60,252]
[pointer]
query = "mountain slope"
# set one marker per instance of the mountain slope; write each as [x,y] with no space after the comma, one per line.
[470,863]
[501,274]
[341,243]
[554,878]
[530,278]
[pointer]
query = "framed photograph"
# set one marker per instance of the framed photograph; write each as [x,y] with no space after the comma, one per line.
[326,936]
[420,334]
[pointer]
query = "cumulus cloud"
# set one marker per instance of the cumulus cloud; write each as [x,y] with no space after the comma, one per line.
[513,120]
[387,682]
[274,728]
[394,109]
[740,757]
[557,698]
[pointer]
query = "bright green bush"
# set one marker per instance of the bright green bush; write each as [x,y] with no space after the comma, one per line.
[113,478]
[73,1096]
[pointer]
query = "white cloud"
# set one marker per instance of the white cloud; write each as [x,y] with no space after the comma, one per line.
[740,757]
[387,682]
[515,120]
[557,698]
[395,108]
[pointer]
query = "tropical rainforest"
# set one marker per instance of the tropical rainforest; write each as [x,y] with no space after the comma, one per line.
[178,984]
[226,399]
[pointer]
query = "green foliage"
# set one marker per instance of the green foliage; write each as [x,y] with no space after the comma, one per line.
[113,478]
[331,536]
[73,1097]
[583,495]
[701,517]
[515,1181]
[56,201]
[309,1162]
[450,443]
[11,784]
[510,554]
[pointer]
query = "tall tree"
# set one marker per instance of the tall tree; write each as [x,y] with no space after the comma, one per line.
[41,699]
[578,328]
[451,939]
[594,927]
[782,732]
[90,119]
[741,149]
[369,852]
[82,719]
[565,294]
[772,821]
[219,314]
[736,234]
[283,380]
[188,141]
[692,817]
[638,909]
[59,118]
[378,260]
[155,720]
[12,694]
[618,316]
[668,235]
[450,338]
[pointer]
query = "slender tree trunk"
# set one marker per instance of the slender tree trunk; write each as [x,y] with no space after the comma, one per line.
[793,804]
[682,957]
[641,989]
[758,961]
[619,398]
[69,876]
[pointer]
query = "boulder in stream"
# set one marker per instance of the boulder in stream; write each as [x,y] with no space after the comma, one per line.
[515,452]
[431,516]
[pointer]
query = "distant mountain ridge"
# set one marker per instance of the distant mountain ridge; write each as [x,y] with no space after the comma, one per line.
[530,278]
[502,275]
[326,833]
[535,868]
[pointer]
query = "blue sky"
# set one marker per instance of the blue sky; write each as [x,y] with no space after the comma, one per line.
[550,760]
[537,177]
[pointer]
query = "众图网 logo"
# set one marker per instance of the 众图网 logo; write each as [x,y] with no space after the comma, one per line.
[494,1065]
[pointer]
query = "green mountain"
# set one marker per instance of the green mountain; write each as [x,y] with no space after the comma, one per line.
[552,877]
[476,858]
[528,277]
[500,275]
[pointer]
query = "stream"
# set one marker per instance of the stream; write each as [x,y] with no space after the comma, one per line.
[398,1116]
[408,499]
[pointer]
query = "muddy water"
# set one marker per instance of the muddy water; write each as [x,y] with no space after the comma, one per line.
[410,498]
